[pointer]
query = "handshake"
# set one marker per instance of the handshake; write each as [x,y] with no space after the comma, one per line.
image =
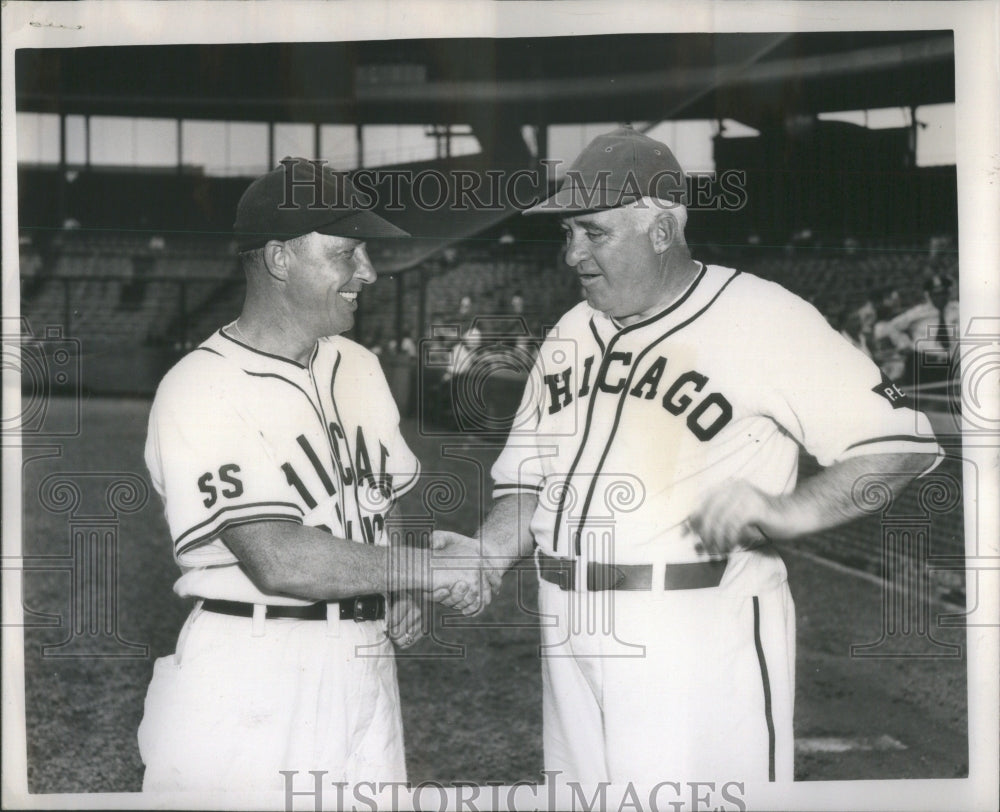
[457,571]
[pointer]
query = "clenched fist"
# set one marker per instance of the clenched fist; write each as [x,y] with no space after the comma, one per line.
[735,516]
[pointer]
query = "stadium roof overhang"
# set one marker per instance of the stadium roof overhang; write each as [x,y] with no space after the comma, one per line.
[641,77]
[495,86]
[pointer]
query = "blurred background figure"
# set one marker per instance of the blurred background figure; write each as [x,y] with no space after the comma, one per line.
[517,303]
[463,351]
[464,315]
[891,347]
[932,328]
[855,326]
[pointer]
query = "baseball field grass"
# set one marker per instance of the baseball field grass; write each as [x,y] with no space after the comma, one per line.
[471,691]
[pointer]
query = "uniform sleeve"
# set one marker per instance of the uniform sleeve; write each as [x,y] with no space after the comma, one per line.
[212,469]
[518,468]
[831,397]
[904,321]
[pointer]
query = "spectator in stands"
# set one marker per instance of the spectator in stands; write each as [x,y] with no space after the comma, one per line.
[867,316]
[519,342]
[891,347]
[887,302]
[453,394]
[461,320]
[463,351]
[517,303]
[854,327]
[932,327]
[464,313]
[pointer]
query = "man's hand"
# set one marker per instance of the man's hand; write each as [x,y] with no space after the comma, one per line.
[462,577]
[737,515]
[491,563]
[734,516]
[405,623]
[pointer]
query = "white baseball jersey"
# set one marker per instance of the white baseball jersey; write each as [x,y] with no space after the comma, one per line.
[636,424]
[237,435]
[923,321]
[620,434]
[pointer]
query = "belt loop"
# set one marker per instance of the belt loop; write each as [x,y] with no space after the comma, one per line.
[185,630]
[333,619]
[259,614]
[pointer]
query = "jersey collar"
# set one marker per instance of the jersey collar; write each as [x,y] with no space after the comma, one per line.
[223,341]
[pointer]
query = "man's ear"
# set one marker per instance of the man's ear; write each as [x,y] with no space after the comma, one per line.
[663,232]
[276,259]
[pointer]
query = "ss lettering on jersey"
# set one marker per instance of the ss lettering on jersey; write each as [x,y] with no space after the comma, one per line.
[704,418]
[229,485]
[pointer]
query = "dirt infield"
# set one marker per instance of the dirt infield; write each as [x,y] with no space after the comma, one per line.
[471,692]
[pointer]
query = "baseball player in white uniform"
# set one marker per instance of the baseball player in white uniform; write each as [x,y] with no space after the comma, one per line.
[276,448]
[653,457]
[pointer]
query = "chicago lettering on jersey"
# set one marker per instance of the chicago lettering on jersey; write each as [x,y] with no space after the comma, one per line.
[350,469]
[688,394]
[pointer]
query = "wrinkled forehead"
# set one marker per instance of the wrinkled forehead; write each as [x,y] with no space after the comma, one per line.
[608,218]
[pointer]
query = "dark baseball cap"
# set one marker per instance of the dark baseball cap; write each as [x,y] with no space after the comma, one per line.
[300,196]
[615,169]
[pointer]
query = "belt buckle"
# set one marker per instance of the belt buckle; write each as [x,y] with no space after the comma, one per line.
[365,608]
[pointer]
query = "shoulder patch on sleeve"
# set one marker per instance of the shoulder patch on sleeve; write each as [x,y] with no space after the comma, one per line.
[892,393]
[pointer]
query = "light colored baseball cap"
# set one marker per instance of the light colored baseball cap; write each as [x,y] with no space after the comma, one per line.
[615,169]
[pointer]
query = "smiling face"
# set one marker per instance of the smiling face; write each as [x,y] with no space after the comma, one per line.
[325,275]
[614,258]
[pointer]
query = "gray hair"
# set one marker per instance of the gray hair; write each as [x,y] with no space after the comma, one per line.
[648,209]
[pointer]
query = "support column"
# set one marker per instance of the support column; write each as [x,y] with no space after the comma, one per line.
[542,139]
[421,303]
[62,182]
[180,146]
[400,291]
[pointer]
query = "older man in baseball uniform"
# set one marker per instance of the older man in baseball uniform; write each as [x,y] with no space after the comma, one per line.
[653,459]
[276,448]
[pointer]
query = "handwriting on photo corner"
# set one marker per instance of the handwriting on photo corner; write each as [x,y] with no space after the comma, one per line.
[555,793]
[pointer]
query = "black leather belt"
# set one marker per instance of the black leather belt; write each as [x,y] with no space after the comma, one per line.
[363,607]
[630,577]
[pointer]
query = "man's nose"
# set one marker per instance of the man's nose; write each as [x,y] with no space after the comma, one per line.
[575,252]
[364,270]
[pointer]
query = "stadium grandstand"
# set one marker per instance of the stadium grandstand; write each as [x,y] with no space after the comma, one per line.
[126,198]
